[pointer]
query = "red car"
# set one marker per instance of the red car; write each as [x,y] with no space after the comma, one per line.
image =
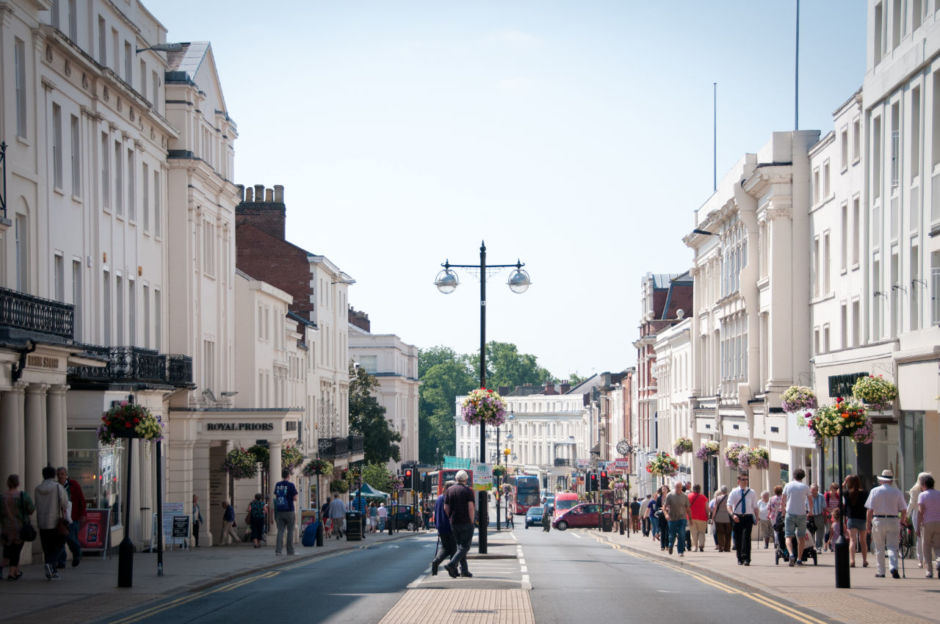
[583,515]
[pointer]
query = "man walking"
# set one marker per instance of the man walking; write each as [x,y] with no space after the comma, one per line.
[197,519]
[676,507]
[460,510]
[635,514]
[742,505]
[818,511]
[796,500]
[444,532]
[228,525]
[884,504]
[698,514]
[77,514]
[285,493]
[645,515]
[337,515]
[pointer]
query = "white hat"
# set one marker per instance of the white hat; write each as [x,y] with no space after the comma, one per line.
[886,475]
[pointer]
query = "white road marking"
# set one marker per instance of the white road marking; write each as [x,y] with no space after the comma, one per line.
[526,583]
[575,535]
[413,584]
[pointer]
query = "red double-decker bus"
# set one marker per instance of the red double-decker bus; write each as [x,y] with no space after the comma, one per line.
[526,490]
[437,478]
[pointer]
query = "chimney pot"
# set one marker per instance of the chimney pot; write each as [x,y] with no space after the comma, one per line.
[249,195]
[279,193]
[241,192]
[269,195]
[259,192]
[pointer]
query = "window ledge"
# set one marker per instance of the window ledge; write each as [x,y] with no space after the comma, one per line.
[77,199]
[23,141]
[58,190]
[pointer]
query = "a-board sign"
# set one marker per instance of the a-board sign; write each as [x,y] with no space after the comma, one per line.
[95,529]
[180,527]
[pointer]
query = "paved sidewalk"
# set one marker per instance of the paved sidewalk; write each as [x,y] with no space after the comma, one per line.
[912,600]
[89,592]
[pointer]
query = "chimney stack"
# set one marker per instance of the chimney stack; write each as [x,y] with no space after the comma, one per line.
[549,387]
[565,387]
[264,209]
[279,193]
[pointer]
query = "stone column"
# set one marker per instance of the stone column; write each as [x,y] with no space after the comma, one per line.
[12,442]
[145,487]
[37,454]
[57,425]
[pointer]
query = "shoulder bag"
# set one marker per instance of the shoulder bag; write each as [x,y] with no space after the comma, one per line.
[27,531]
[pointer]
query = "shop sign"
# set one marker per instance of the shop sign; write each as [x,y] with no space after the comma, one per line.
[239,427]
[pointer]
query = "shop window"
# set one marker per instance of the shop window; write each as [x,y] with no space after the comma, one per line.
[99,469]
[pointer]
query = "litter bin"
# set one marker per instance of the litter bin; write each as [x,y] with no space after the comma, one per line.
[607,523]
[353,526]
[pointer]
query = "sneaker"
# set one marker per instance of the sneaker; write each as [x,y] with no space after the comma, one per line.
[792,561]
[452,570]
[50,570]
[55,576]
[466,574]
[60,565]
[682,554]
[799,563]
[747,563]
[879,575]
[894,574]
[928,575]
[77,560]
[434,565]
[670,550]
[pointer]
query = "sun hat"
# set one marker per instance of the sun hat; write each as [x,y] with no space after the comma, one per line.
[886,475]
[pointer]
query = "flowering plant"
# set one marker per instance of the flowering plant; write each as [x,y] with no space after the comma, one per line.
[240,464]
[339,485]
[499,470]
[796,398]
[843,418]
[683,445]
[397,483]
[663,464]
[129,420]
[736,455]
[708,449]
[317,466]
[758,457]
[483,406]
[876,392]
[291,457]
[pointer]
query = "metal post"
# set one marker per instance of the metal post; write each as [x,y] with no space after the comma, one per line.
[842,545]
[126,548]
[497,480]
[160,509]
[481,500]
[319,514]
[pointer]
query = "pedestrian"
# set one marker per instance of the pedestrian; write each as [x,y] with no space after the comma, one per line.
[374,517]
[763,519]
[796,501]
[856,517]
[383,515]
[884,504]
[257,513]
[818,510]
[197,520]
[661,517]
[337,515]
[460,510]
[928,521]
[626,516]
[652,507]
[15,508]
[676,509]
[835,527]
[229,531]
[51,508]
[285,493]
[698,514]
[742,505]
[635,514]
[445,534]
[832,503]
[913,512]
[546,518]
[645,515]
[721,518]
[75,515]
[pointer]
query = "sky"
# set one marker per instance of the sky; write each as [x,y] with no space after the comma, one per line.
[575,136]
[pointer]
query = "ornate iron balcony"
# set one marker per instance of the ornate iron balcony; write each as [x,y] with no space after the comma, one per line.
[333,447]
[21,311]
[134,365]
[356,443]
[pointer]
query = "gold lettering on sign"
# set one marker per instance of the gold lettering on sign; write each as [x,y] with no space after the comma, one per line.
[41,361]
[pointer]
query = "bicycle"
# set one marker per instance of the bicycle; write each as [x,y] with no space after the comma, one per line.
[907,541]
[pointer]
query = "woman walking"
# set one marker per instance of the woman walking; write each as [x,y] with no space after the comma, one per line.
[51,506]
[722,519]
[912,512]
[257,514]
[853,499]
[15,508]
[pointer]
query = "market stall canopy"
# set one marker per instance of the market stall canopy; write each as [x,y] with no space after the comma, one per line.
[368,492]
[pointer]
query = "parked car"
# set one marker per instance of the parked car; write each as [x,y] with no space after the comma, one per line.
[533,517]
[583,515]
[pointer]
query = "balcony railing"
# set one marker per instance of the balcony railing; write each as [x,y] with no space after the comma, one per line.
[356,444]
[134,365]
[562,461]
[30,313]
[340,447]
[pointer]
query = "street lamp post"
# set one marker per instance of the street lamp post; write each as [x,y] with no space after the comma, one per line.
[447,282]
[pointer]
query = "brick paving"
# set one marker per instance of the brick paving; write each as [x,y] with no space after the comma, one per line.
[462,606]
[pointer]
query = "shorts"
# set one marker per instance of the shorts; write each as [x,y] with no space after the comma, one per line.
[856,523]
[794,525]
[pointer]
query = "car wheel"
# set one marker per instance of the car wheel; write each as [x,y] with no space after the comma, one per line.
[562,525]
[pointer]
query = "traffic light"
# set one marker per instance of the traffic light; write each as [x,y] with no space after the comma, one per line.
[408,479]
[592,482]
[605,480]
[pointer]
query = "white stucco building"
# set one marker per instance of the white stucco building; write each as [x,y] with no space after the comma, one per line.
[673,373]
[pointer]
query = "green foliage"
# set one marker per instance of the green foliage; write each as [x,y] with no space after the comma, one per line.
[339,486]
[367,418]
[378,476]
[574,379]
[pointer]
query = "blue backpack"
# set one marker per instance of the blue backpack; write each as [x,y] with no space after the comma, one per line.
[309,537]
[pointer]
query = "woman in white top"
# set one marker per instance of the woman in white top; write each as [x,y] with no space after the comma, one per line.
[912,513]
[763,512]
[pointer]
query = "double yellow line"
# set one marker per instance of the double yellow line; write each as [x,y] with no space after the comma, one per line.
[146,613]
[799,616]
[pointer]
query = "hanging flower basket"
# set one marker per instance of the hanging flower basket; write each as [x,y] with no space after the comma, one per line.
[758,458]
[291,457]
[240,464]
[663,464]
[734,455]
[317,466]
[683,445]
[797,398]
[708,449]
[129,420]
[262,454]
[397,483]
[483,406]
[339,485]
[876,392]
[499,470]
[844,418]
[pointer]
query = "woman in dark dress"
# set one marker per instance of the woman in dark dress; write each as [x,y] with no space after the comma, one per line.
[257,513]
[853,498]
[661,517]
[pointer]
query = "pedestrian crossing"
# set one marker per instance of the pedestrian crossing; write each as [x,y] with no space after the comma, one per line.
[502,567]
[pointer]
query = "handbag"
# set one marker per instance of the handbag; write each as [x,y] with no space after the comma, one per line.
[27,531]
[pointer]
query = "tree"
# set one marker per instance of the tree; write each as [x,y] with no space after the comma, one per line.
[378,476]
[367,418]
[575,379]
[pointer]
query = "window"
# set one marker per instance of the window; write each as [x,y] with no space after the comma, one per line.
[76,158]
[879,39]
[22,247]
[844,144]
[915,133]
[844,329]
[825,177]
[208,369]
[157,218]
[155,90]
[844,242]
[895,145]
[157,320]
[856,323]
[916,285]
[817,277]
[734,256]
[19,62]
[116,50]
[118,180]
[54,13]
[935,121]
[856,140]
[877,294]
[826,262]
[128,63]
[894,291]
[917,13]
[131,312]
[816,345]
[102,41]
[105,173]
[815,187]
[131,190]
[935,287]
[896,18]
[118,311]
[58,263]
[106,308]
[856,229]
[73,21]
[145,304]
[143,79]
[825,339]
[56,146]
[145,180]
[876,159]
[77,298]
[208,248]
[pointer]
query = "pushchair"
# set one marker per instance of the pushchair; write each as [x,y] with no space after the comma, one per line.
[780,542]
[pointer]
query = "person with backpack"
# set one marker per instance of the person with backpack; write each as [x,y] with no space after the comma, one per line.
[285,493]
[257,516]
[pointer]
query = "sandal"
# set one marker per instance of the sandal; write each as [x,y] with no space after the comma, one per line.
[12,577]
[864,564]
[851,564]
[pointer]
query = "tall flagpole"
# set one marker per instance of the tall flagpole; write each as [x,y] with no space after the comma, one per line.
[796,86]
[714,136]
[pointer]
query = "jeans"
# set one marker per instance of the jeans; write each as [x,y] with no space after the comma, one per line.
[677,530]
[72,542]
[663,532]
[463,534]
[447,549]
[646,527]
[742,532]
[285,524]
[820,532]
[52,543]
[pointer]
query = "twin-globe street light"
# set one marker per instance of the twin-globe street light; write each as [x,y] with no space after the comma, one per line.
[447,282]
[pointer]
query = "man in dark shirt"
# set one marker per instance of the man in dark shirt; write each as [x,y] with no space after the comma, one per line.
[444,531]
[460,510]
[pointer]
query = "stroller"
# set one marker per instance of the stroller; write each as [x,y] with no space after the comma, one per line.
[780,542]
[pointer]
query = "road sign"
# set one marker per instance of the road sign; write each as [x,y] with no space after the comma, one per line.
[582,463]
[622,463]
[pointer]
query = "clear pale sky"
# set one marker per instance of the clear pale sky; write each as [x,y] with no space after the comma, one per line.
[576,136]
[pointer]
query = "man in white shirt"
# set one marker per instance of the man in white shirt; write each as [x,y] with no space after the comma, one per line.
[884,504]
[796,500]
[742,505]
